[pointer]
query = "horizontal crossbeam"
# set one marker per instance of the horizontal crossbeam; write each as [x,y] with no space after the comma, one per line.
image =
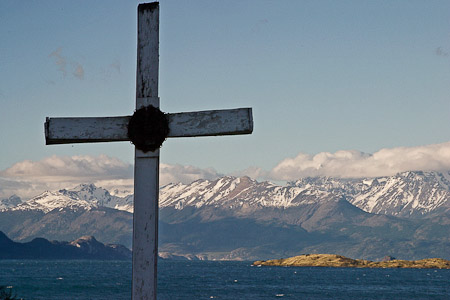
[115,129]
[211,122]
[86,130]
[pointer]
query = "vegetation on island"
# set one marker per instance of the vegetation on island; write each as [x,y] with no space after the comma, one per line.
[333,260]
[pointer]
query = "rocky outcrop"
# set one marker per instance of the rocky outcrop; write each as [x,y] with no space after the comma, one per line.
[333,260]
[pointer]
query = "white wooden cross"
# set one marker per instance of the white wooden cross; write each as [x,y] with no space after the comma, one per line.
[146,168]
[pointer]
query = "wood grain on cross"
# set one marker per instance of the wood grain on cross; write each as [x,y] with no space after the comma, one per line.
[146,168]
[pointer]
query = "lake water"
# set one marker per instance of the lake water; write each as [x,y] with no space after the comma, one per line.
[219,280]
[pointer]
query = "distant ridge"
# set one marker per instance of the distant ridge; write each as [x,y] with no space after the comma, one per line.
[86,247]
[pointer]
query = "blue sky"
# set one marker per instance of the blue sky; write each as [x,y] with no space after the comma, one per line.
[321,76]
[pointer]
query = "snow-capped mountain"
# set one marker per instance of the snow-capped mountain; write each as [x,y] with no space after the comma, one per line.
[84,196]
[405,194]
[410,217]
[99,197]
[408,194]
[226,191]
[232,192]
[241,218]
[49,201]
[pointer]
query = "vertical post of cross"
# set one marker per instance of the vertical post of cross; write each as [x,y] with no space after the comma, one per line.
[146,171]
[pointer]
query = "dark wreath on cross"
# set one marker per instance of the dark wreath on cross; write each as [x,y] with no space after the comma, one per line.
[148,128]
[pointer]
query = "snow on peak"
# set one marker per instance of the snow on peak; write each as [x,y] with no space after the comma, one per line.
[409,193]
[83,196]
[229,192]
[49,201]
[404,194]
[99,197]
[412,193]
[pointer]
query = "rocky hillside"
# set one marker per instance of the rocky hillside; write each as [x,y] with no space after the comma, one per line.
[86,247]
[109,225]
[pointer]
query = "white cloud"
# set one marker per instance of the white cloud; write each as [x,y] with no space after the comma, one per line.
[70,167]
[350,163]
[29,178]
[10,187]
[185,174]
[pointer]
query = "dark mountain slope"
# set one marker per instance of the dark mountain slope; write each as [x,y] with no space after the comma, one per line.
[40,248]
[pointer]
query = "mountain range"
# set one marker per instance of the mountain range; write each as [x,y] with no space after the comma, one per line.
[409,194]
[406,216]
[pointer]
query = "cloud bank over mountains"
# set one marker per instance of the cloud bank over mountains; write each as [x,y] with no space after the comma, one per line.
[354,164]
[28,178]
[57,172]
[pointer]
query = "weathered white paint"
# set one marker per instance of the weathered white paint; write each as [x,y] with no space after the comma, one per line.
[146,170]
[114,129]
[211,122]
[145,227]
[146,165]
[82,130]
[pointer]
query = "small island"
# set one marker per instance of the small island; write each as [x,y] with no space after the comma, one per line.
[333,260]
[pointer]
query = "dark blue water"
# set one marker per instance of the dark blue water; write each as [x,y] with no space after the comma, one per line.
[220,280]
